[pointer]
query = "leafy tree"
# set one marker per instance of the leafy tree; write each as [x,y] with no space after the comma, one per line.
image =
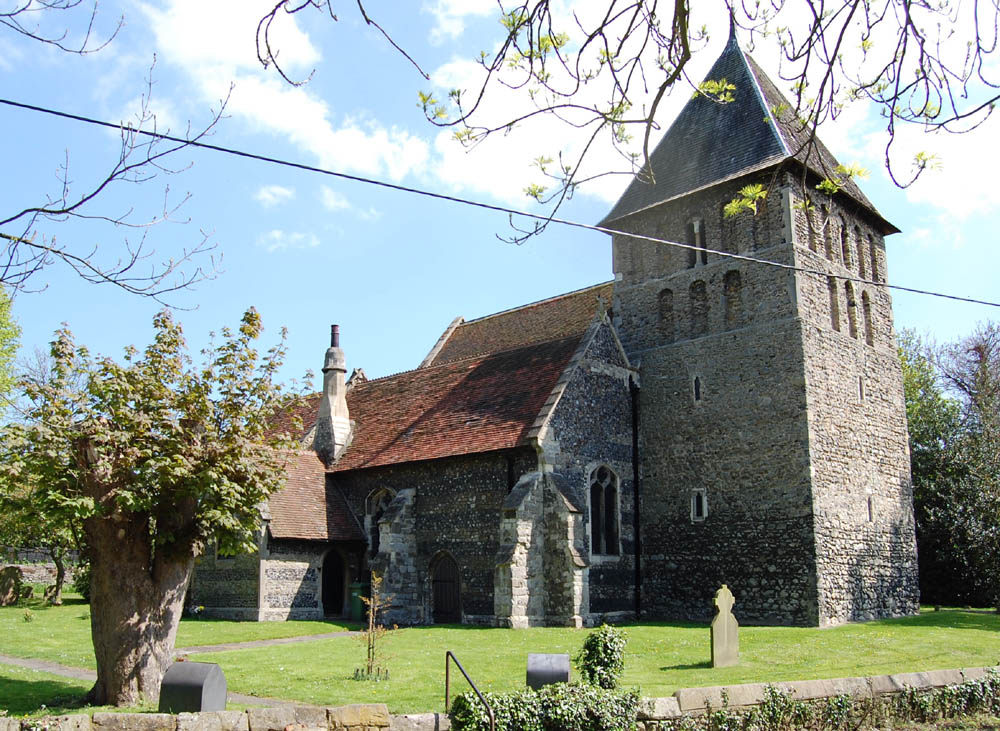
[9,334]
[971,368]
[952,396]
[605,68]
[934,422]
[152,458]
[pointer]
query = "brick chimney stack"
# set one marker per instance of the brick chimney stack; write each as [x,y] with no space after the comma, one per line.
[333,423]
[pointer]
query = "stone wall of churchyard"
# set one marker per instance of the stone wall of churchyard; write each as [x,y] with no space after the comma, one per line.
[857,420]
[226,586]
[724,441]
[591,428]
[456,510]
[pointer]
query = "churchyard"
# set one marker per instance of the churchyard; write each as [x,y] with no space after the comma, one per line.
[660,657]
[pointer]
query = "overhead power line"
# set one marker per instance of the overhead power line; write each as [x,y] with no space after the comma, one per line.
[478,204]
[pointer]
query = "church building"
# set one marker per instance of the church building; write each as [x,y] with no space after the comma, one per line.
[730,411]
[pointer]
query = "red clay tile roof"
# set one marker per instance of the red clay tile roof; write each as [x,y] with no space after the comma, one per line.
[465,407]
[306,508]
[470,406]
[551,319]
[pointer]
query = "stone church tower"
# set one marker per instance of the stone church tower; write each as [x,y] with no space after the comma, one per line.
[773,434]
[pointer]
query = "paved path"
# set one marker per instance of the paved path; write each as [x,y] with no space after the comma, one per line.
[247,700]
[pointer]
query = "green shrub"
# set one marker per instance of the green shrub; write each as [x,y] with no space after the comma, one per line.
[81,580]
[556,707]
[601,661]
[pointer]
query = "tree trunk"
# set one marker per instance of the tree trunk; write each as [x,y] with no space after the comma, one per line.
[136,600]
[58,557]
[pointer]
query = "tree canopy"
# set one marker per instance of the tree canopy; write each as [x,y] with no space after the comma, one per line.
[9,335]
[953,413]
[149,460]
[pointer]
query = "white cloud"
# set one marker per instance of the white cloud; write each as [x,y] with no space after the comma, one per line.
[213,43]
[272,195]
[332,200]
[964,186]
[450,16]
[278,240]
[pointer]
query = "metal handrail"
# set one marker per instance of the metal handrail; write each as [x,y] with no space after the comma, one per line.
[449,655]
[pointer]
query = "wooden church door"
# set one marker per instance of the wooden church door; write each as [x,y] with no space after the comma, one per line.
[447,606]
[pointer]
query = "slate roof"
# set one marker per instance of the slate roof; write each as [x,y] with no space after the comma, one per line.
[306,508]
[711,142]
[549,319]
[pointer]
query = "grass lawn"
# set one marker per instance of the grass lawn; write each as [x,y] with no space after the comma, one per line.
[661,658]
[62,634]
[23,691]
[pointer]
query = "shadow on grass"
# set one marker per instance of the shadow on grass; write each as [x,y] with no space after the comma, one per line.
[691,666]
[20,697]
[948,619]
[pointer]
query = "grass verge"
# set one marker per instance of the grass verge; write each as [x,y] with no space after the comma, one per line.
[62,634]
[660,658]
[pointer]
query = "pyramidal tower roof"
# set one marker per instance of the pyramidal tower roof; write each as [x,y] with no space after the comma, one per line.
[712,142]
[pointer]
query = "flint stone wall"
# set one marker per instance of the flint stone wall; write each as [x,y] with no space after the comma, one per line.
[226,586]
[746,395]
[590,427]
[456,509]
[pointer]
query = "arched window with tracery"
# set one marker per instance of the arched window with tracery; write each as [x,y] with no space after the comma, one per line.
[604,512]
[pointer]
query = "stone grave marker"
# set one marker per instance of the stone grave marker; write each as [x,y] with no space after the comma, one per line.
[725,631]
[10,586]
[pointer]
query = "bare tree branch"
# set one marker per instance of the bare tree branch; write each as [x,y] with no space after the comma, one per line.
[26,246]
[921,62]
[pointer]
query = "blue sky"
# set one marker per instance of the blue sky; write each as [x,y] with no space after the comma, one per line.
[392,269]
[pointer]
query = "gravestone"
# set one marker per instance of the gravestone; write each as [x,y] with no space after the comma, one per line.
[544,669]
[10,586]
[725,631]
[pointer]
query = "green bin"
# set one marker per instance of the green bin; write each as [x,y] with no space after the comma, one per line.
[357,610]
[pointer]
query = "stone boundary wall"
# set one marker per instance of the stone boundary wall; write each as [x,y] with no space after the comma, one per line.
[695,701]
[373,717]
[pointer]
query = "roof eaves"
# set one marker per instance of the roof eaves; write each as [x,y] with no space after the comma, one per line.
[763,165]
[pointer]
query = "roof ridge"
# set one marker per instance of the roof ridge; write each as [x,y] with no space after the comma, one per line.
[536,303]
[478,356]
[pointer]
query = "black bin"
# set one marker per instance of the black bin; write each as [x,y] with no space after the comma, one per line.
[189,687]
[544,669]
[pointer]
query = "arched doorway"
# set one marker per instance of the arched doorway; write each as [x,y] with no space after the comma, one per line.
[447,601]
[334,584]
